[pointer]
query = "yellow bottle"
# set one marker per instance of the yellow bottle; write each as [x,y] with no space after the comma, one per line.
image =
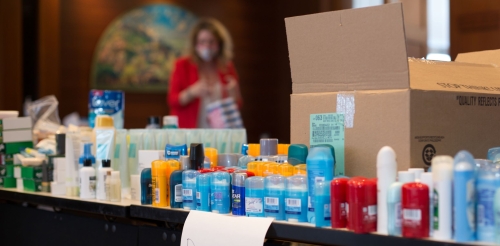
[159,183]
[300,169]
[268,168]
[283,149]
[254,167]
[211,153]
[286,169]
[171,166]
[254,149]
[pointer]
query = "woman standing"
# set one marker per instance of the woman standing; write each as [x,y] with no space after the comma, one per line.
[206,75]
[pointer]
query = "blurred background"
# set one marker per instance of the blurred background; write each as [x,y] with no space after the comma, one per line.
[48,47]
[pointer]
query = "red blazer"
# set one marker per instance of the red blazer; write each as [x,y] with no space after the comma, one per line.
[185,73]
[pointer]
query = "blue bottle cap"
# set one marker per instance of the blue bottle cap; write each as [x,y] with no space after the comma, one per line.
[297,154]
[494,154]
[244,149]
[327,146]
[87,154]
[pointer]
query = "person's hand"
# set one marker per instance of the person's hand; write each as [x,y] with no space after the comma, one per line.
[198,89]
[232,87]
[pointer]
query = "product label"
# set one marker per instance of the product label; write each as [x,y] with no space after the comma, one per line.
[485,198]
[238,193]
[92,184]
[187,195]
[271,204]
[218,196]
[198,199]
[412,217]
[157,195]
[327,214]
[253,205]
[347,209]
[435,216]
[314,176]
[343,210]
[397,210]
[178,193]
[329,129]
[471,200]
[293,206]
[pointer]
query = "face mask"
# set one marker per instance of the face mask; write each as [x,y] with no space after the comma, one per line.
[205,54]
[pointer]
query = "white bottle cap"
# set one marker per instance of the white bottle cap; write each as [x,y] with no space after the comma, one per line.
[115,175]
[442,168]
[386,157]
[170,120]
[417,171]
[406,177]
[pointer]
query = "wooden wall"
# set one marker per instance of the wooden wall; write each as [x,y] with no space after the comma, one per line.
[474,26]
[11,89]
[72,29]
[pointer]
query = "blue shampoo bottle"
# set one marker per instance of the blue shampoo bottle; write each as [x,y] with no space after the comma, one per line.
[238,193]
[320,167]
[463,197]
[322,204]
[254,196]
[189,189]
[274,196]
[146,186]
[203,192]
[486,185]
[176,189]
[296,199]
[219,189]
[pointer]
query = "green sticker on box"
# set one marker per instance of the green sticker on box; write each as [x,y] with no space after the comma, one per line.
[329,129]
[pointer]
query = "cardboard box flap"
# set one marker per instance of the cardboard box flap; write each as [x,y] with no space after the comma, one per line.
[453,76]
[481,57]
[356,49]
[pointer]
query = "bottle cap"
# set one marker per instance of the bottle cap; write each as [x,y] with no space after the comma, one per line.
[244,149]
[197,156]
[285,169]
[203,179]
[386,158]
[297,182]
[106,163]
[283,149]
[297,154]
[228,160]
[494,154]
[238,178]
[153,120]
[185,162]
[464,161]
[275,181]
[255,182]
[104,121]
[87,153]
[170,120]
[145,174]
[254,149]
[189,175]
[87,163]
[115,175]
[60,144]
[332,150]
[406,177]
[417,172]
[268,146]
[442,168]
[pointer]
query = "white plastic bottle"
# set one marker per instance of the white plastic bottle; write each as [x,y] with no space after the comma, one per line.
[426,178]
[417,172]
[386,175]
[101,180]
[442,177]
[116,186]
[394,214]
[87,180]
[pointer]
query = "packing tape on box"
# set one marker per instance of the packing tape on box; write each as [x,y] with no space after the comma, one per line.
[346,106]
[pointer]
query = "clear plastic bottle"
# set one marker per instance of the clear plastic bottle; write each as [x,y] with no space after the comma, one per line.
[254,196]
[464,216]
[189,189]
[296,199]
[320,167]
[274,197]
[116,186]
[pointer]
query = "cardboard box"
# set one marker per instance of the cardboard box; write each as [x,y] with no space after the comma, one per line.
[15,136]
[17,123]
[147,156]
[420,108]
